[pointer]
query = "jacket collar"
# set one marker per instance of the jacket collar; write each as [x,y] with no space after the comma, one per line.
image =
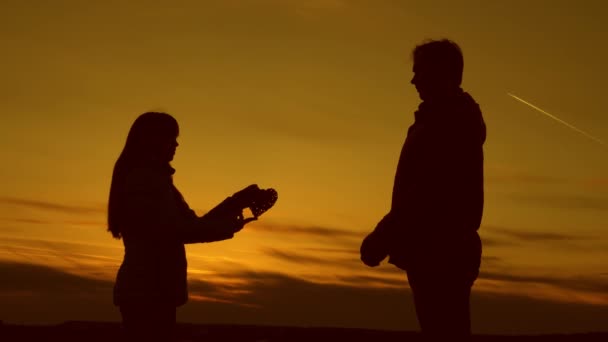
[444,107]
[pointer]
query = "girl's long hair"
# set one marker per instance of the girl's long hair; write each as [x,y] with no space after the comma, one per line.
[146,136]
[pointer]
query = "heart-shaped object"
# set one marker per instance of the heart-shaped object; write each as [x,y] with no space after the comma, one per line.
[263,200]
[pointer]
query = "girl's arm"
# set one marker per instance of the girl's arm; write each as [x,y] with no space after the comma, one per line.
[155,210]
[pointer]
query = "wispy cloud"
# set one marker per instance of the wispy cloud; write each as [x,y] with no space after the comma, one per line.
[391,276]
[59,244]
[293,257]
[316,231]
[595,182]
[371,281]
[526,235]
[44,280]
[25,220]
[500,173]
[579,283]
[345,251]
[97,260]
[490,259]
[52,206]
[565,201]
[276,299]
[512,237]
[515,238]
[52,295]
[507,174]
[95,223]
[495,242]
[317,5]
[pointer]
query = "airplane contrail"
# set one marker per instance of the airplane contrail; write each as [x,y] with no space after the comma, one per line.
[599,141]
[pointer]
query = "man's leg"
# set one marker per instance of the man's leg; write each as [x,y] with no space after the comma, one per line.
[442,308]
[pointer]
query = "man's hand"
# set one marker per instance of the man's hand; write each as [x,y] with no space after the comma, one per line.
[374,248]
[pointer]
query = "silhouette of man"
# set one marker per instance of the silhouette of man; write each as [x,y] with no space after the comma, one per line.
[437,203]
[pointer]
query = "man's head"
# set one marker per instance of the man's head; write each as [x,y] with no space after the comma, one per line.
[438,66]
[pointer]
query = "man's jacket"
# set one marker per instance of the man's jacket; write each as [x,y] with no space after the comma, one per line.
[437,200]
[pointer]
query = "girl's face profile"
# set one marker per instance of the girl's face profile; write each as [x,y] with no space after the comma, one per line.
[168,148]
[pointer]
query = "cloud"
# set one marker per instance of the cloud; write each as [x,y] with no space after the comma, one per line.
[505,314]
[493,242]
[24,220]
[567,202]
[374,281]
[503,174]
[590,287]
[490,259]
[26,277]
[346,251]
[578,283]
[59,245]
[595,182]
[96,260]
[40,294]
[37,294]
[293,257]
[276,299]
[496,236]
[333,269]
[343,267]
[309,5]
[522,178]
[316,256]
[314,231]
[95,223]
[535,235]
[52,206]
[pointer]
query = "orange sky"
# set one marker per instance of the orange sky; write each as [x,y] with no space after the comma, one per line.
[311,98]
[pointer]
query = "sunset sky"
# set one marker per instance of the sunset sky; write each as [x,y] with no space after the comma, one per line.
[312,98]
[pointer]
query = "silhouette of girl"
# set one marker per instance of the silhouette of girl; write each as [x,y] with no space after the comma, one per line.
[150,215]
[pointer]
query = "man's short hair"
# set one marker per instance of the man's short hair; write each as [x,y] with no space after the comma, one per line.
[444,54]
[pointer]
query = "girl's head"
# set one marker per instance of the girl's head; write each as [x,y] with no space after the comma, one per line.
[151,142]
[153,137]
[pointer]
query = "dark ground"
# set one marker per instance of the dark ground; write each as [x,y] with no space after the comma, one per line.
[110,331]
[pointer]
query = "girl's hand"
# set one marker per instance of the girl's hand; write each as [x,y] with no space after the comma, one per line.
[241,222]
